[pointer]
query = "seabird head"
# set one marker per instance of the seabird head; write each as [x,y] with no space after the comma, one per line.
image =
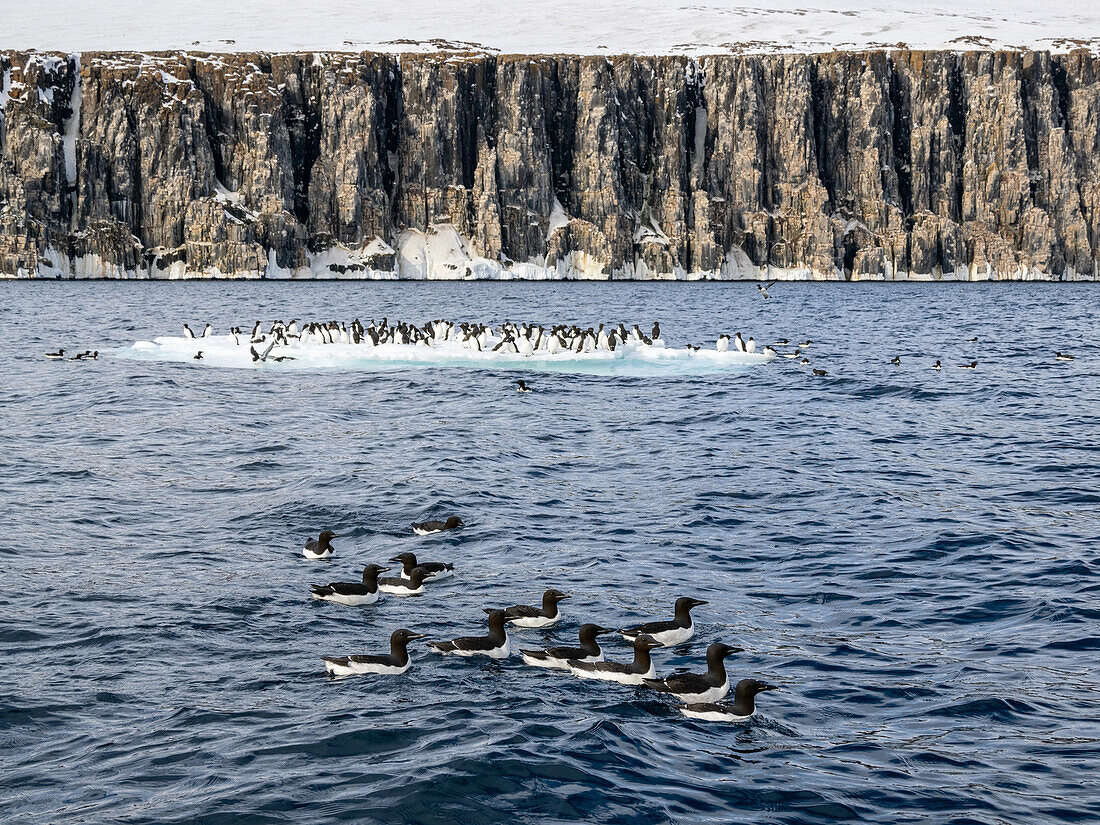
[371,571]
[591,631]
[405,557]
[404,636]
[645,643]
[554,596]
[453,522]
[751,687]
[719,651]
[685,603]
[326,536]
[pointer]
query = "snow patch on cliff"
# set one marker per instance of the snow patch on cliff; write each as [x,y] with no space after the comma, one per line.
[548,26]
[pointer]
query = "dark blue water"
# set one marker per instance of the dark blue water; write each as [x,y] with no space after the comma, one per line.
[912,556]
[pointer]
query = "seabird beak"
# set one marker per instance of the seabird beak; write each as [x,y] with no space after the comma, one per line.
[417,636]
[769,687]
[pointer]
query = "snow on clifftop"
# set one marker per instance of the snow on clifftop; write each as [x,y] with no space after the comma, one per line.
[546,26]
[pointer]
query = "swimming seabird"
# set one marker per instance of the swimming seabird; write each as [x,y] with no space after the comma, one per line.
[495,645]
[396,662]
[426,527]
[54,356]
[525,615]
[400,586]
[971,366]
[699,687]
[896,360]
[742,707]
[522,386]
[351,593]
[436,569]
[558,657]
[320,547]
[1061,356]
[198,356]
[820,372]
[674,632]
[936,366]
[625,673]
[973,340]
[804,361]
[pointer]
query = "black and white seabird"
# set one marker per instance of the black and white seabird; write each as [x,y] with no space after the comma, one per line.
[436,569]
[668,633]
[320,547]
[198,355]
[1061,356]
[400,586]
[496,645]
[820,372]
[396,662]
[55,356]
[558,657]
[351,593]
[896,360]
[525,615]
[187,333]
[426,527]
[521,386]
[973,340]
[700,687]
[742,707]
[973,365]
[625,673]
[936,366]
[764,289]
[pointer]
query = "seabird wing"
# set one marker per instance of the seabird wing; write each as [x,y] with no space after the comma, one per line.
[680,683]
[649,628]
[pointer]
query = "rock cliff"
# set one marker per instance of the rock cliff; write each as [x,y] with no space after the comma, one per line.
[842,165]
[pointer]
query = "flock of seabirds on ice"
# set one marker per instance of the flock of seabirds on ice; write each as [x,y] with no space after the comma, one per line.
[701,694]
[509,338]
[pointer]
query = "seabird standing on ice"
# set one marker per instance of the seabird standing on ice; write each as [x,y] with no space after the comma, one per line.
[320,547]
[495,645]
[723,343]
[700,687]
[351,593]
[667,633]
[400,586]
[625,673]
[198,356]
[525,615]
[396,662]
[187,333]
[742,707]
[558,657]
[436,569]
[206,333]
[426,527]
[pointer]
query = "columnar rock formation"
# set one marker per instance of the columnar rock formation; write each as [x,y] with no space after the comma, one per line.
[865,165]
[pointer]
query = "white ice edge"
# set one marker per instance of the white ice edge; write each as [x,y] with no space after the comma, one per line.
[628,360]
[547,26]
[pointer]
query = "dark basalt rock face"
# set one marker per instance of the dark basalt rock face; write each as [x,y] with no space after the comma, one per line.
[860,165]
